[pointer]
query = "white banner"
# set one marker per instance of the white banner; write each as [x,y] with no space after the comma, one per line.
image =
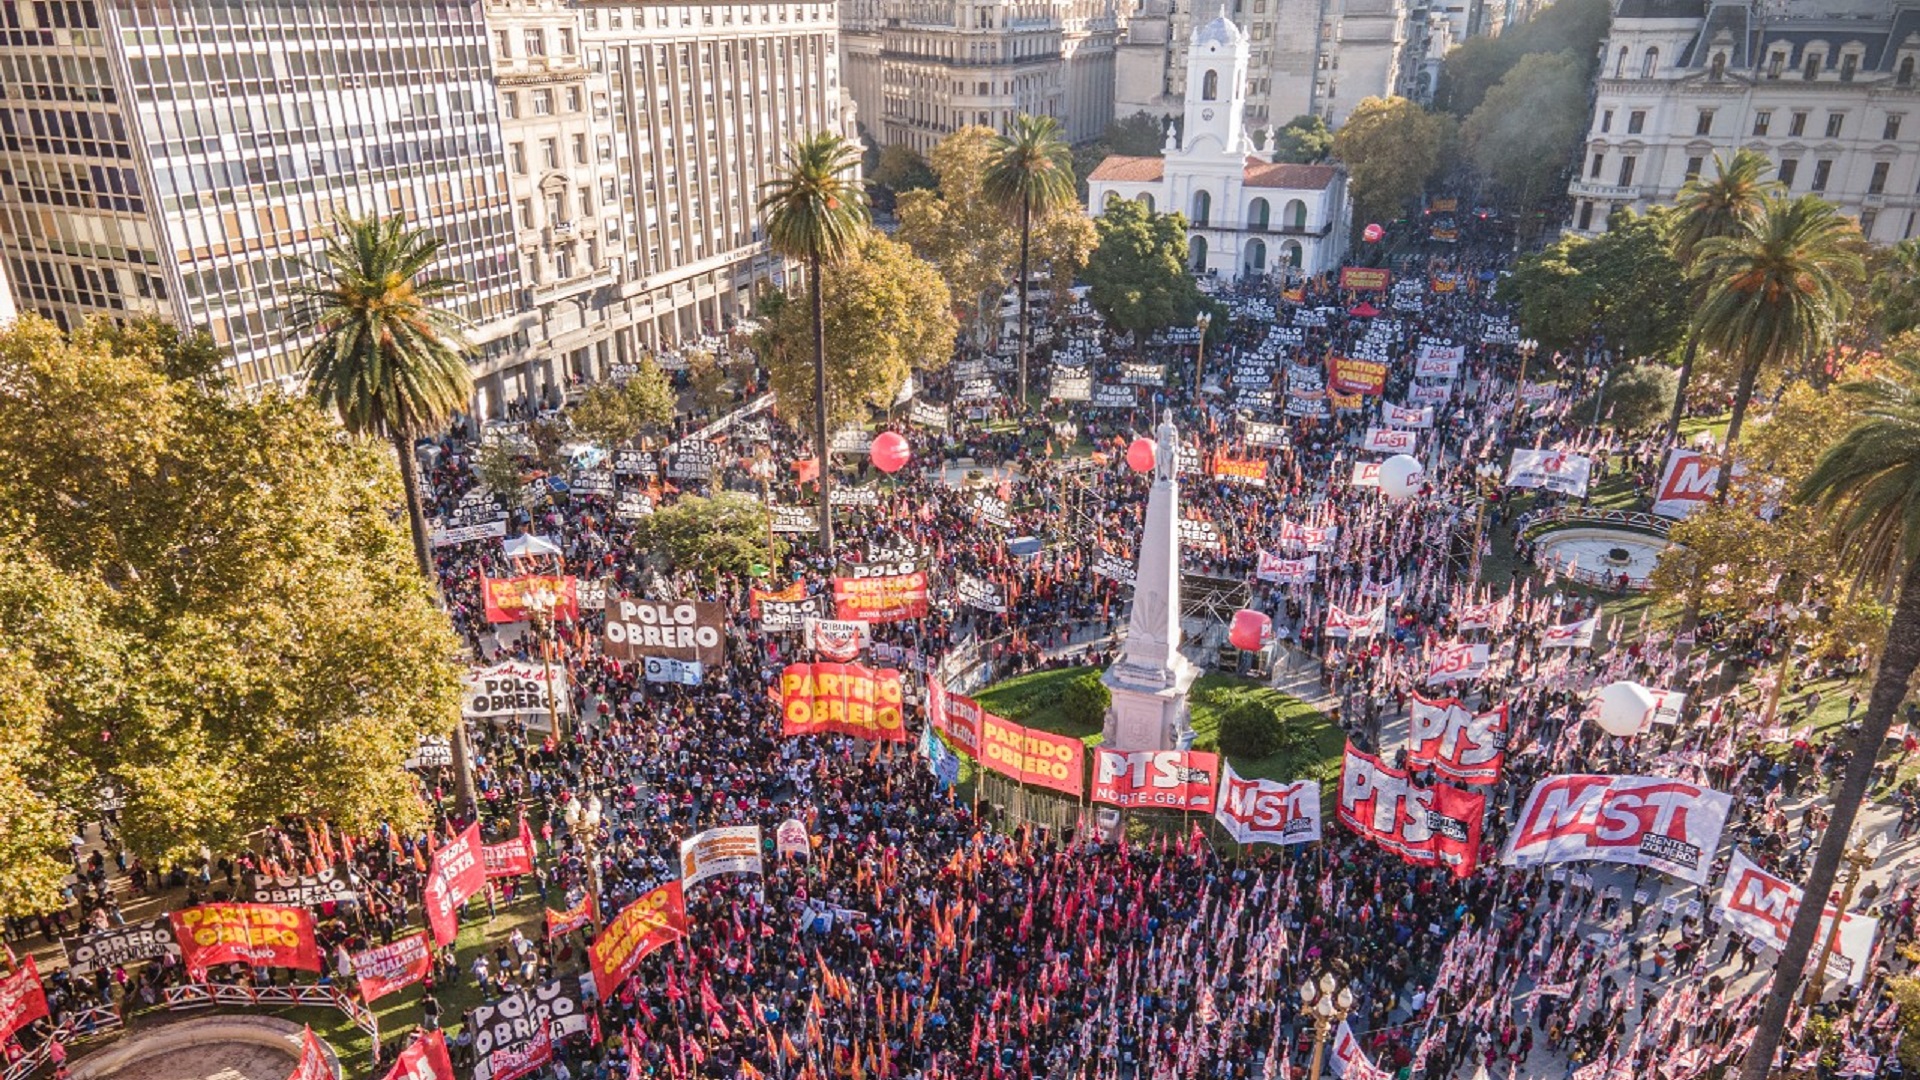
[1113,568]
[1573,635]
[1388,441]
[733,849]
[1349,1061]
[659,669]
[1071,386]
[1762,907]
[1266,811]
[1687,483]
[1667,825]
[1398,416]
[1452,663]
[839,640]
[1366,474]
[1203,534]
[512,689]
[1286,571]
[1307,537]
[1554,470]
[1355,624]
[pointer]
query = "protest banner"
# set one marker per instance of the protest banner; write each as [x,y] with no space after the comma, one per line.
[1436,826]
[478,515]
[513,688]
[333,885]
[1032,756]
[979,593]
[1493,613]
[655,919]
[955,716]
[1071,386]
[425,1059]
[1458,661]
[1763,907]
[1355,624]
[1267,811]
[659,669]
[843,699]
[1366,474]
[1133,373]
[1553,470]
[579,915]
[1257,433]
[1114,396]
[1456,742]
[691,630]
[1687,482]
[790,839]
[849,495]
[732,849]
[1388,441]
[454,873]
[927,414]
[258,935]
[510,858]
[692,459]
[1307,537]
[1657,822]
[836,639]
[1352,375]
[1348,1059]
[1398,416]
[22,999]
[801,520]
[881,599]
[313,1062]
[942,763]
[1281,571]
[1249,471]
[992,510]
[1113,568]
[1573,635]
[507,599]
[1365,278]
[121,946]
[1155,779]
[384,969]
[780,616]
[1201,534]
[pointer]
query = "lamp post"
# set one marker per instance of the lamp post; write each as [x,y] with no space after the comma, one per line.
[1486,481]
[541,601]
[583,822]
[1328,999]
[1859,857]
[1200,323]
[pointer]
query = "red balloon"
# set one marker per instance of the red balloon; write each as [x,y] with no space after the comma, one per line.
[1141,454]
[1372,234]
[1250,630]
[890,452]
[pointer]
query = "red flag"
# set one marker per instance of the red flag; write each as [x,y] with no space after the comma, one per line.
[426,1059]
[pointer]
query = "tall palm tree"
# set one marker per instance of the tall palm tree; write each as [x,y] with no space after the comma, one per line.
[390,359]
[1031,174]
[1867,485]
[1722,206]
[1896,289]
[1778,290]
[816,213]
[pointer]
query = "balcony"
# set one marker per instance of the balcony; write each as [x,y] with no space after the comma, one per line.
[1269,229]
[1584,189]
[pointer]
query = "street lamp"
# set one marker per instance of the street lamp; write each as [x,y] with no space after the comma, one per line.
[1200,323]
[541,600]
[1486,481]
[1859,857]
[1328,999]
[583,822]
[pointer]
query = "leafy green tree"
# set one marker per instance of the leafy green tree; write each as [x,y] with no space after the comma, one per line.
[499,465]
[887,311]
[1896,288]
[1528,130]
[708,382]
[1030,176]
[183,355]
[1623,286]
[614,414]
[1085,700]
[1305,140]
[902,169]
[1726,204]
[726,534]
[959,230]
[1574,27]
[1391,147]
[1552,297]
[1778,291]
[1636,397]
[220,610]
[1138,277]
[817,214]
[1868,486]
[1139,135]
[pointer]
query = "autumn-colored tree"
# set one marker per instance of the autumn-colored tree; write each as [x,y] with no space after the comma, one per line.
[1391,147]
[726,534]
[614,414]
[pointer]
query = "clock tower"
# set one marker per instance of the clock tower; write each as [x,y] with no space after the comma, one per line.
[1216,91]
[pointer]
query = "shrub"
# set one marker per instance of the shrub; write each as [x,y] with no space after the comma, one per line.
[1249,728]
[1085,700]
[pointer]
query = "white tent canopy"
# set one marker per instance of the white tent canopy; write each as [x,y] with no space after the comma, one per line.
[530,546]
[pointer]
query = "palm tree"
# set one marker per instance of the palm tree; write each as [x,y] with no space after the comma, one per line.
[389,359]
[1896,289]
[1725,205]
[1778,290]
[816,214]
[1031,174]
[1867,485]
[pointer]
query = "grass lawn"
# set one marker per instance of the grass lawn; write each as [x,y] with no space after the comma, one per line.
[1034,700]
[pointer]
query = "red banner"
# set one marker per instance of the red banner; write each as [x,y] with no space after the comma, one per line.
[1461,745]
[522,1059]
[955,716]
[1158,779]
[456,872]
[1365,279]
[575,917]
[1354,376]
[22,999]
[656,919]
[1251,471]
[426,1059]
[313,1064]
[881,599]
[258,935]
[510,858]
[845,699]
[506,598]
[1032,756]
[387,968]
[1437,826]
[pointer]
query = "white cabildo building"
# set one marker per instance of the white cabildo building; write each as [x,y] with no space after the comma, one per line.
[1247,215]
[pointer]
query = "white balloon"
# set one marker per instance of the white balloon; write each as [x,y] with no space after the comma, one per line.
[1400,476]
[1623,707]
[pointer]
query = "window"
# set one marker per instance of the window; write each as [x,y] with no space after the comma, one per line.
[1797,123]
[1786,171]
[1599,162]
[501,41]
[1848,64]
[1776,63]
[1626,170]
[566,41]
[1867,218]
[1703,123]
[1606,121]
[510,105]
[536,42]
[526,213]
[1620,64]
[1762,120]
[1892,128]
[1812,69]
[1718,70]
[1822,169]
[1210,86]
[573,99]
[550,152]
[579,149]
[1649,63]
[1834,120]
[1693,167]
[1905,76]
[586,203]
[520,158]
[1636,121]
[543,103]
[1586,215]
[556,209]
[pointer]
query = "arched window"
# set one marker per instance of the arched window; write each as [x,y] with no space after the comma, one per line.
[1210,86]
[1146,200]
[1197,248]
[1719,66]
[1202,208]
[1296,217]
[1256,256]
[1257,215]
[1906,71]
[1290,254]
[1620,64]
[1649,63]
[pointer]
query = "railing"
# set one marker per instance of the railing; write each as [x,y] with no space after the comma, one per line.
[208,995]
[1631,519]
[74,1026]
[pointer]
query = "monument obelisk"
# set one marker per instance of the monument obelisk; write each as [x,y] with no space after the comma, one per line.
[1151,679]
